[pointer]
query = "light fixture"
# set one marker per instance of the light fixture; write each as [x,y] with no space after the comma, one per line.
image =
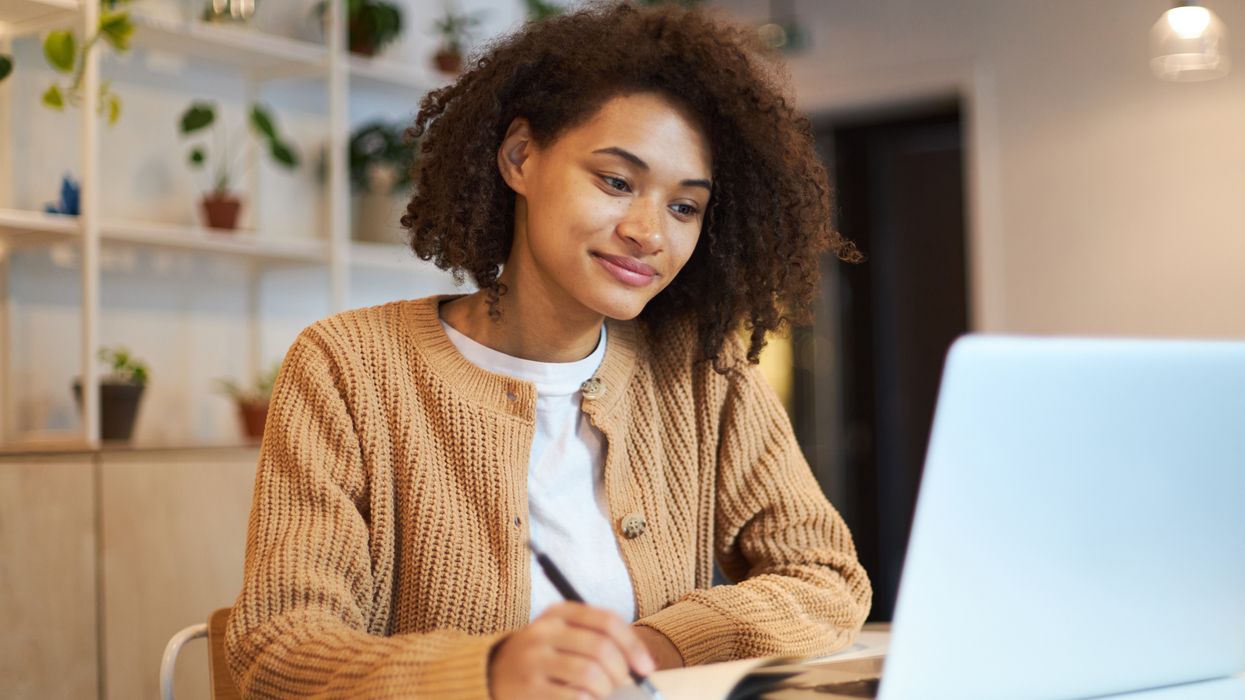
[1189,43]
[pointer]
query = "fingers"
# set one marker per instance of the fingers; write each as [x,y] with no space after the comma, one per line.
[595,647]
[608,624]
[581,673]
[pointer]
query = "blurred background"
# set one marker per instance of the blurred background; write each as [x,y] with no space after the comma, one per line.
[185,184]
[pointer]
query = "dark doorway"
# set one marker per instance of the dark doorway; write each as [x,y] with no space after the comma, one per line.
[899,183]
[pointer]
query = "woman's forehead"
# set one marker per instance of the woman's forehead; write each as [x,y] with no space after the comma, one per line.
[649,127]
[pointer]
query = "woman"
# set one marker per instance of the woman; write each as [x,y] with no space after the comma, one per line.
[648,190]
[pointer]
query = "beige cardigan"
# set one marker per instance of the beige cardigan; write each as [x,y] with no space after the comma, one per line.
[386,545]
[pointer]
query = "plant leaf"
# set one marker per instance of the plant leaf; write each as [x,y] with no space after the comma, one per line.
[197,156]
[52,98]
[262,121]
[117,29]
[114,109]
[59,48]
[6,66]
[284,154]
[198,116]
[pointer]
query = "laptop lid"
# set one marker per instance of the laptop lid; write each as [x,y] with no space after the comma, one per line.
[1080,527]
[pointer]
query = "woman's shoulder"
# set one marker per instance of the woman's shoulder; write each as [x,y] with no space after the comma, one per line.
[676,355]
[388,330]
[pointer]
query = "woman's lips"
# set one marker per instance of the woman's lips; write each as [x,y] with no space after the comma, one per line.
[629,271]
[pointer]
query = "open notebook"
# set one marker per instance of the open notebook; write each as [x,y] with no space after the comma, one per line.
[747,678]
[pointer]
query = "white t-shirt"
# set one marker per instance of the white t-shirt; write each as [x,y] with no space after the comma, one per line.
[567,512]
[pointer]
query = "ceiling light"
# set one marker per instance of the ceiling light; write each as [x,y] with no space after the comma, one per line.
[1189,43]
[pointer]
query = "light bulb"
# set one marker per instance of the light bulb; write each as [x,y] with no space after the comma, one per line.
[1189,43]
[1188,21]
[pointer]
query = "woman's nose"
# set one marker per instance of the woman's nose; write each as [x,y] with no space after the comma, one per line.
[643,227]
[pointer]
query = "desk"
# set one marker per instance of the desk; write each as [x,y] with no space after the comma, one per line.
[874,640]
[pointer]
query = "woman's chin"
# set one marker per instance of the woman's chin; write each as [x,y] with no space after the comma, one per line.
[619,306]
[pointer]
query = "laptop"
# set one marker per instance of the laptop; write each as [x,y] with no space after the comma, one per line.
[1079,531]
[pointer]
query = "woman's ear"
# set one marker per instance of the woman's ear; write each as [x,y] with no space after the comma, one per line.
[513,154]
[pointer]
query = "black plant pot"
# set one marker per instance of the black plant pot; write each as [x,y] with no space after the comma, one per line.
[118,407]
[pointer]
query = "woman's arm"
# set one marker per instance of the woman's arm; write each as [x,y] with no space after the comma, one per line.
[801,590]
[314,607]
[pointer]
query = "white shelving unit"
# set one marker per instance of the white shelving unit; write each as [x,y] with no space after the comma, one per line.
[25,16]
[258,57]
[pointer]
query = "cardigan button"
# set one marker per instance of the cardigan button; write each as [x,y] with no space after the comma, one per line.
[633,525]
[594,388]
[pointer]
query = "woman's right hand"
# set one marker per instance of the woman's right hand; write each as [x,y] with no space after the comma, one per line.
[572,651]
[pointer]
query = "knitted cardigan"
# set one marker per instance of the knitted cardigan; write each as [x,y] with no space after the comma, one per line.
[386,547]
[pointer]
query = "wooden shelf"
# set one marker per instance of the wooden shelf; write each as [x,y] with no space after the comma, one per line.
[270,55]
[24,16]
[21,223]
[242,243]
[67,446]
[28,228]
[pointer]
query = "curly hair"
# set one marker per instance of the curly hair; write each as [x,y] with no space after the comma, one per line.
[768,218]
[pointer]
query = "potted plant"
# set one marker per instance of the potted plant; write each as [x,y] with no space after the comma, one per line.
[6,66]
[65,55]
[252,401]
[371,25]
[221,205]
[454,29]
[119,393]
[381,158]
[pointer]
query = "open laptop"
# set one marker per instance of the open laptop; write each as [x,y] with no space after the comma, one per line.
[1080,529]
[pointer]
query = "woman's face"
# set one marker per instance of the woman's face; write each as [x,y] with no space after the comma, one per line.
[607,214]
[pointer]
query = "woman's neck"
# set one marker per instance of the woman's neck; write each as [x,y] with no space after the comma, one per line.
[528,329]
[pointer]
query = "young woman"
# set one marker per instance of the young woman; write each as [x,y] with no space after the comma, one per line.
[627,188]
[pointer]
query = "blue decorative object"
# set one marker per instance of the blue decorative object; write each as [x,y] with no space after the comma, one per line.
[69,198]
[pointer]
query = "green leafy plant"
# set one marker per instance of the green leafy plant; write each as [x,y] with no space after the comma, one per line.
[371,25]
[381,144]
[6,66]
[258,392]
[201,115]
[66,55]
[456,28]
[124,368]
[538,10]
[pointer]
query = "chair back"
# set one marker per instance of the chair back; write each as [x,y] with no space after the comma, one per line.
[222,683]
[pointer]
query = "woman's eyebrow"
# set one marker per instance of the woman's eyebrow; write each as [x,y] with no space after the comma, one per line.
[639,163]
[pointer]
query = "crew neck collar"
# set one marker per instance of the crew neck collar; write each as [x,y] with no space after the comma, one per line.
[423,325]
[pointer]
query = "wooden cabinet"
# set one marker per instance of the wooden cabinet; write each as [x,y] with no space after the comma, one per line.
[105,555]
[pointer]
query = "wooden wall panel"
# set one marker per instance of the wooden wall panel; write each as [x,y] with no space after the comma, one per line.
[174,534]
[48,646]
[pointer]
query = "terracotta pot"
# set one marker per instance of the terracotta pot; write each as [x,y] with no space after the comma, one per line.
[449,61]
[221,210]
[253,416]
[118,407]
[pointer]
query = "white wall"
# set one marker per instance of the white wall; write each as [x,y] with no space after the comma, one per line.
[1103,201]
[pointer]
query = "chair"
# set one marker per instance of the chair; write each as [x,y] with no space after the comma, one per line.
[222,684]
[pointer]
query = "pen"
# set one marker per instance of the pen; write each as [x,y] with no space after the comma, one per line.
[566,590]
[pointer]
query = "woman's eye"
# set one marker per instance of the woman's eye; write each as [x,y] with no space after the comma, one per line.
[611,180]
[689,210]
